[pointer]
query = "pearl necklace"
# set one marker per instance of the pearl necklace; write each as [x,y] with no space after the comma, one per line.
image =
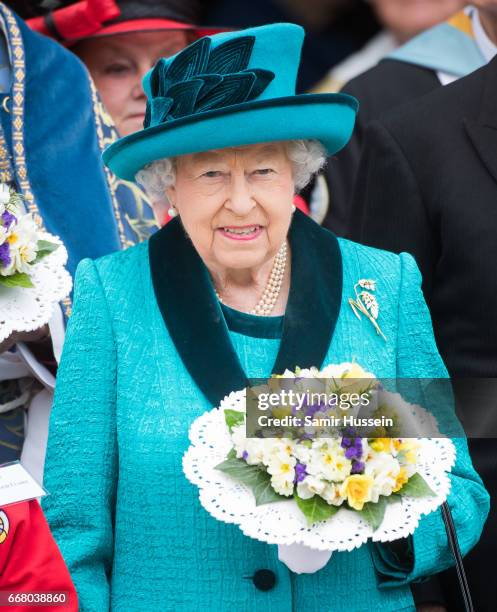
[269,297]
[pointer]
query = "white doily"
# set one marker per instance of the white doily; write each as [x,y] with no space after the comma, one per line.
[283,522]
[24,309]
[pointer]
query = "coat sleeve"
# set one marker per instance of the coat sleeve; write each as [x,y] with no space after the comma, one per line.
[388,209]
[30,561]
[81,464]
[418,357]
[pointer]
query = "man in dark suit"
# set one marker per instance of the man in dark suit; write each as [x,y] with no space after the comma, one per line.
[427,184]
[434,58]
[387,85]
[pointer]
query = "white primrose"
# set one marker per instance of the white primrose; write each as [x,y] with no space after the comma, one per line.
[282,469]
[23,242]
[383,469]
[275,447]
[252,450]
[303,453]
[328,461]
[310,486]
[332,494]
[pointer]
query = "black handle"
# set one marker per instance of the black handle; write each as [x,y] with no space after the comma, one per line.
[456,551]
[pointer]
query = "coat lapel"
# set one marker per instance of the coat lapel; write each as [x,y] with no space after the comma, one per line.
[195,321]
[192,314]
[315,296]
[483,130]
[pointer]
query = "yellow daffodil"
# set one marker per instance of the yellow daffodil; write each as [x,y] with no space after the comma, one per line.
[409,449]
[281,411]
[357,489]
[401,480]
[381,445]
[355,371]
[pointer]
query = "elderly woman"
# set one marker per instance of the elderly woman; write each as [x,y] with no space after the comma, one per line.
[238,285]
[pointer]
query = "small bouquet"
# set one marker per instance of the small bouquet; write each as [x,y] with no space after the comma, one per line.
[314,488]
[21,244]
[322,474]
[32,273]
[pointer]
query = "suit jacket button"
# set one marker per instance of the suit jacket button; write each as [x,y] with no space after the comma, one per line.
[264,579]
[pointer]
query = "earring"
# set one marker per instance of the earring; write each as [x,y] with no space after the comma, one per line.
[294,208]
[172,212]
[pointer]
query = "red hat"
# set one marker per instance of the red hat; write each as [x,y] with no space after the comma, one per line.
[73,21]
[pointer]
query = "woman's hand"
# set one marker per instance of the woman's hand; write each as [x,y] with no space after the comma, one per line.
[37,336]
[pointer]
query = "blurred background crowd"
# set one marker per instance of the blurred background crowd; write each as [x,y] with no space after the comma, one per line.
[343,37]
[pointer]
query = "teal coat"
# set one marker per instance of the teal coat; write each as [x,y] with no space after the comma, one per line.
[127,521]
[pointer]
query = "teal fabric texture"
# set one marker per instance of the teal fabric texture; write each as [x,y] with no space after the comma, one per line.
[127,521]
[214,89]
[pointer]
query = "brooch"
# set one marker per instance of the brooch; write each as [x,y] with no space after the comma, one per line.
[366,303]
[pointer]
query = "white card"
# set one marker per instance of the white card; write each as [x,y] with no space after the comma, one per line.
[17,484]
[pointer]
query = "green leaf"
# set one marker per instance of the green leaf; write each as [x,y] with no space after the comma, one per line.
[44,248]
[257,479]
[315,509]
[16,280]
[45,245]
[416,486]
[231,454]
[374,513]
[395,498]
[233,418]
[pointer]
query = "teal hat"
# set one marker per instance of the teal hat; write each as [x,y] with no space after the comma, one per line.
[231,89]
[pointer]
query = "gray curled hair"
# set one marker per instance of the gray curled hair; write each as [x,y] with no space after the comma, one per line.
[307,157]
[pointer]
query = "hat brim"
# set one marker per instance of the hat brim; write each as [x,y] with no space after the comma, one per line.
[148,25]
[328,118]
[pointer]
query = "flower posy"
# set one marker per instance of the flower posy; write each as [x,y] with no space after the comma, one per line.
[20,244]
[323,474]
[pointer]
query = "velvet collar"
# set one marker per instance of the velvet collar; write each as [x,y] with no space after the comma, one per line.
[195,321]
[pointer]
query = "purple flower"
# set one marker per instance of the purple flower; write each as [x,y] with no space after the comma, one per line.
[353,453]
[8,218]
[353,447]
[311,410]
[357,467]
[300,472]
[306,436]
[245,455]
[5,258]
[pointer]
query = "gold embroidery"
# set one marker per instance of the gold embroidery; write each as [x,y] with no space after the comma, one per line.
[19,73]
[140,224]
[20,167]
[101,143]
[5,167]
